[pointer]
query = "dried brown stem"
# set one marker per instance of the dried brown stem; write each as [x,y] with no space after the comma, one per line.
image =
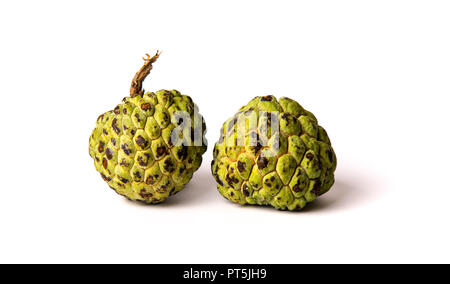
[136,85]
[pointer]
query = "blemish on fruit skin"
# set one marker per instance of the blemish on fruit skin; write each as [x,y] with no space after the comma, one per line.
[105,178]
[125,149]
[245,191]
[161,151]
[241,166]
[169,166]
[109,154]
[182,153]
[285,116]
[101,147]
[146,106]
[124,163]
[115,127]
[137,175]
[141,142]
[262,162]
[145,195]
[231,180]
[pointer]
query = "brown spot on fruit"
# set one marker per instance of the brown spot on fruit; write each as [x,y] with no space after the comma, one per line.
[113,141]
[137,175]
[218,179]
[105,178]
[150,180]
[266,99]
[169,166]
[125,149]
[141,142]
[101,147]
[105,132]
[316,189]
[182,153]
[115,127]
[141,161]
[245,190]
[124,163]
[231,180]
[137,117]
[146,106]
[124,180]
[285,116]
[241,166]
[117,110]
[145,194]
[161,151]
[262,162]
[109,154]
[309,156]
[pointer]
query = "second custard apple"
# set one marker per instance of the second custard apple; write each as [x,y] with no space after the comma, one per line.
[150,145]
[273,152]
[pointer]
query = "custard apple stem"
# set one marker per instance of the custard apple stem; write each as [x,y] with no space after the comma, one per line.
[136,84]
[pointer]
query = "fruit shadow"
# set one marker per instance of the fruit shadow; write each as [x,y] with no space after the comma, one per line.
[201,189]
[348,192]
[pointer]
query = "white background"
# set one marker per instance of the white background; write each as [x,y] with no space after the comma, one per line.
[375,73]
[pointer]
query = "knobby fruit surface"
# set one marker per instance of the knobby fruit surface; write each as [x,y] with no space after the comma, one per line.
[148,147]
[273,152]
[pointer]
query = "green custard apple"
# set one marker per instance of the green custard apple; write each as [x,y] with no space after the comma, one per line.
[273,152]
[149,146]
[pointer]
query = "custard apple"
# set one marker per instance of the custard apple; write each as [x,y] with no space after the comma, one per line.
[273,152]
[149,146]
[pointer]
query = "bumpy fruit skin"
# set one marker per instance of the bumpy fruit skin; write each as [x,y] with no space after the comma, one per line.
[133,150]
[273,153]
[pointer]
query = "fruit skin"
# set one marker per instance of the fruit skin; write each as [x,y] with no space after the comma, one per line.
[273,152]
[133,150]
